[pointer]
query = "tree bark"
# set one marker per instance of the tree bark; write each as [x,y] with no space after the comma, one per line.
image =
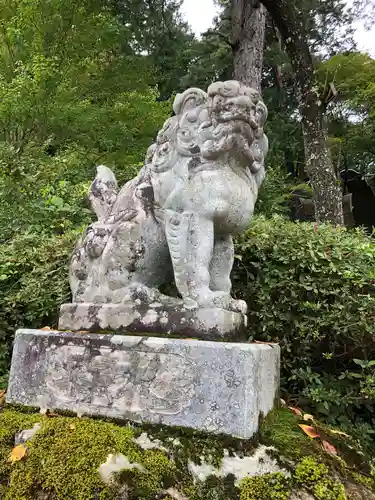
[248,30]
[327,194]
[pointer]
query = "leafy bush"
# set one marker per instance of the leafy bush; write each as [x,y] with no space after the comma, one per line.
[274,194]
[311,288]
[33,284]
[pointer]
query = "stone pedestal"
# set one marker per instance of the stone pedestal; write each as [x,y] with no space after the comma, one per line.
[209,386]
[167,319]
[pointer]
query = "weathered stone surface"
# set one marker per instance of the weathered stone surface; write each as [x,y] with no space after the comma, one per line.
[176,219]
[174,320]
[211,386]
[25,435]
[260,462]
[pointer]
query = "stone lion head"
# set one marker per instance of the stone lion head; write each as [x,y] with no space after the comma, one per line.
[224,122]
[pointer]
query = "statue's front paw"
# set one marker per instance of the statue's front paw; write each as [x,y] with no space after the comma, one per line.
[238,306]
[230,304]
[221,300]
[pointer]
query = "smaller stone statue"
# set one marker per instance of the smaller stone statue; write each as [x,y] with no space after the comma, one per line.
[175,220]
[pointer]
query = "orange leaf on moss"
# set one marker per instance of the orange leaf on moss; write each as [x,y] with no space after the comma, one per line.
[296,411]
[308,417]
[17,453]
[310,431]
[339,433]
[329,448]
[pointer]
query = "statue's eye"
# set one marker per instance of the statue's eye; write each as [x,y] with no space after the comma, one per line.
[164,149]
[185,134]
[218,100]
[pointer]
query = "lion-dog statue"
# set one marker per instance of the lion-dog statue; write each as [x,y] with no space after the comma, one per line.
[177,217]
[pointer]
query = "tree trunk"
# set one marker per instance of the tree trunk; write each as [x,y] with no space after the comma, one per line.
[248,22]
[277,68]
[326,188]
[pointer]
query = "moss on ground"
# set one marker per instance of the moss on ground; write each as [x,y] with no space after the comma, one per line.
[280,429]
[271,486]
[63,459]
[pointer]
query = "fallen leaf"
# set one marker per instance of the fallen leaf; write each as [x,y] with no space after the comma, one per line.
[308,417]
[17,453]
[340,433]
[296,411]
[2,397]
[329,448]
[46,328]
[82,331]
[310,431]
[73,427]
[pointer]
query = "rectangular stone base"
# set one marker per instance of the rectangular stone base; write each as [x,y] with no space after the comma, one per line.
[155,318]
[210,386]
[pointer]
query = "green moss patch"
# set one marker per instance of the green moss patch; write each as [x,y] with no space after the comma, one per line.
[63,460]
[280,429]
[65,455]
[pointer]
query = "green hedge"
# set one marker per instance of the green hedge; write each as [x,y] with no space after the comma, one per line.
[33,284]
[311,288]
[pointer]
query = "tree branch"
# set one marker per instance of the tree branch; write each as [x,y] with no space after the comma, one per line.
[221,35]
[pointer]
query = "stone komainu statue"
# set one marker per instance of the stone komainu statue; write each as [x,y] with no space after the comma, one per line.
[196,190]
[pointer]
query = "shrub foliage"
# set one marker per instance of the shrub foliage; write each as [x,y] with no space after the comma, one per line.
[311,288]
[33,284]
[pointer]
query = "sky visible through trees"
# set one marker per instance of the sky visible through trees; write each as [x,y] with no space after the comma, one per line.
[200,15]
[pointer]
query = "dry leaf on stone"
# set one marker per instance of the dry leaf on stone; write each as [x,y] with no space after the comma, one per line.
[329,448]
[17,453]
[46,328]
[310,431]
[296,411]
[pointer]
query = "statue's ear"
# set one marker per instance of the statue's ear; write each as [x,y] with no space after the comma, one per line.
[189,99]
